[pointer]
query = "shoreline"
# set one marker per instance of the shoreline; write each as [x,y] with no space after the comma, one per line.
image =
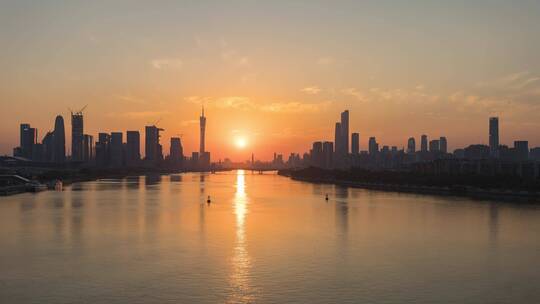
[461,191]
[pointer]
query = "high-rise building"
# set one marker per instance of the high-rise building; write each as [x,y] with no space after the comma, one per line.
[337,139]
[411,145]
[153,149]
[355,143]
[102,150]
[424,143]
[494,136]
[133,148]
[88,148]
[328,154]
[434,145]
[443,145]
[28,138]
[521,148]
[116,150]
[176,151]
[59,136]
[77,136]
[48,146]
[373,146]
[317,158]
[345,132]
[202,124]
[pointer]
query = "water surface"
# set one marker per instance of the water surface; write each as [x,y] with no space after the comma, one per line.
[263,239]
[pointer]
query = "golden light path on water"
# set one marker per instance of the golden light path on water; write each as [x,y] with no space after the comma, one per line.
[242,291]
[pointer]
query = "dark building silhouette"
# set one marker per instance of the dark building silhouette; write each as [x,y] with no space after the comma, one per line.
[77,136]
[202,125]
[116,149]
[338,144]
[48,147]
[28,138]
[102,150]
[176,150]
[494,136]
[133,148]
[424,143]
[411,145]
[443,145]
[344,133]
[521,149]
[328,154]
[88,148]
[355,143]
[373,146]
[434,145]
[317,158]
[59,136]
[153,149]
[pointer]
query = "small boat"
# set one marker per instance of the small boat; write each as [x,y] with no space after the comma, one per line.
[326,197]
[208,200]
[58,185]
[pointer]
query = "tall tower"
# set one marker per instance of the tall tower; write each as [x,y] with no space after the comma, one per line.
[355,143]
[77,136]
[59,139]
[345,132]
[202,123]
[424,143]
[494,136]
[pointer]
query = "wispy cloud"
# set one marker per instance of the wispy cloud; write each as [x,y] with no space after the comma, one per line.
[139,114]
[326,60]
[313,90]
[245,103]
[186,123]
[295,107]
[354,93]
[166,63]
[130,99]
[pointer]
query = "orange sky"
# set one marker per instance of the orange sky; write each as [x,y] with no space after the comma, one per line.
[275,73]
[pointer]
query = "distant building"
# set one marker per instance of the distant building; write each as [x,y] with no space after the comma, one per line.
[522,150]
[317,158]
[494,136]
[373,146]
[344,133]
[116,149]
[534,154]
[443,145]
[48,147]
[176,151]
[411,145]
[153,148]
[28,138]
[424,143]
[88,148]
[102,150]
[328,154]
[77,136]
[477,152]
[133,148]
[202,125]
[338,143]
[59,136]
[355,143]
[434,145]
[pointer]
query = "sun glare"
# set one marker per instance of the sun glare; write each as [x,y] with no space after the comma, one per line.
[240,142]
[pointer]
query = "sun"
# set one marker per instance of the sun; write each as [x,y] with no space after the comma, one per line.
[240,142]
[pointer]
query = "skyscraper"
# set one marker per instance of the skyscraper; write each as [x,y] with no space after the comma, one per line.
[424,143]
[202,124]
[153,149]
[77,131]
[102,150]
[117,157]
[411,145]
[337,139]
[522,150]
[88,148]
[494,136]
[133,147]
[434,145]
[48,146]
[328,154]
[317,158]
[355,143]
[28,138]
[443,145]
[345,132]
[59,136]
[373,146]
[176,151]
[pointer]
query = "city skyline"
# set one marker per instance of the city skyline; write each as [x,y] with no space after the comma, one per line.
[132,70]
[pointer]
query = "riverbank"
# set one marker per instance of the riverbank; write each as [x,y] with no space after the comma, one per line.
[450,190]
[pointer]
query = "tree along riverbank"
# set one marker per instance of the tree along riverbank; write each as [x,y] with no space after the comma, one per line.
[496,187]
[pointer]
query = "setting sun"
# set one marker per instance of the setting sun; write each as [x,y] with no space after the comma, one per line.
[240,142]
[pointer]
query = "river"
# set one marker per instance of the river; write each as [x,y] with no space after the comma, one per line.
[262,239]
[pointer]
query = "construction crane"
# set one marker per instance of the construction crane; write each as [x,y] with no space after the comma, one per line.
[78,112]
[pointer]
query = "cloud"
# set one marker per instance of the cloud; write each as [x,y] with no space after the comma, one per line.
[167,63]
[140,114]
[244,103]
[295,107]
[354,93]
[186,123]
[313,90]
[130,99]
[325,60]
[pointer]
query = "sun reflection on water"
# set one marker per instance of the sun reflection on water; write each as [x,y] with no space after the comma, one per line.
[242,291]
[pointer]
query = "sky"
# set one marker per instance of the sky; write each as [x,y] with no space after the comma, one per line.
[275,73]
